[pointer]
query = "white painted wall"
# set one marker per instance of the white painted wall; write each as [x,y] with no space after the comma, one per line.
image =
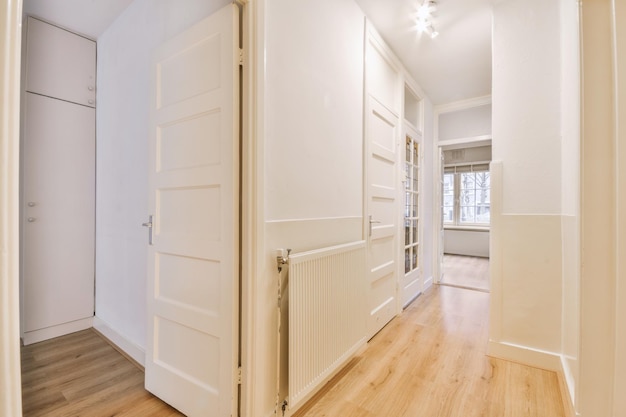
[124,58]
[465,123]
[466,242]
[526,108]
[526,300]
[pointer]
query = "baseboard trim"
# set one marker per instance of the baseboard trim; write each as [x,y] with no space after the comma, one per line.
[568,406]
[55,331]
[125,346]
[566,384]
[428,282]
[527,356]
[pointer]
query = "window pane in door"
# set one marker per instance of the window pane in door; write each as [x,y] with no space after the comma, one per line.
[407,260]
[407,232]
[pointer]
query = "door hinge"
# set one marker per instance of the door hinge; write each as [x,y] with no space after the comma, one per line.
[239,376]
[240,57]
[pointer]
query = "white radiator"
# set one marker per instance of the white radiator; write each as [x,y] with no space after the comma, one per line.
[327,315]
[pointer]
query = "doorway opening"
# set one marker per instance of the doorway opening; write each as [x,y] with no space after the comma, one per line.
[465,215]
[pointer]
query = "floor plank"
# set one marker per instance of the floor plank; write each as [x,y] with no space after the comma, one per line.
[431,361]
[82,375]
[466,271]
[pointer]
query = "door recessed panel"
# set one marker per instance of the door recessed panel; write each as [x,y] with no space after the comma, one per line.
[382,251]
[382,131]
[184,361]
[189,143]
[175,274]
[194,70]
[184,211]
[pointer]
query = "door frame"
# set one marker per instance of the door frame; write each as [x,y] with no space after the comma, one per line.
[10,67]
[438,170]
[252,177]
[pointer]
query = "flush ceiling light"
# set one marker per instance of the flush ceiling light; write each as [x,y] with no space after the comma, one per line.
[424,18]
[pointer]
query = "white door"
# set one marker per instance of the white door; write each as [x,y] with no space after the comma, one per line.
[440,232]
[382,153]
[58,217]
[191,358]
[411,280]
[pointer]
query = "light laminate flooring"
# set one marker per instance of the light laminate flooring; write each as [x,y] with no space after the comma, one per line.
[466,272]
[431,362]
[81,375]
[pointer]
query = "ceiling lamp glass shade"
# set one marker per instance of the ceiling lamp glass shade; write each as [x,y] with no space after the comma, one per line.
[424,18]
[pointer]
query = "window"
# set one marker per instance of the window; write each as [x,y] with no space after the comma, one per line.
[466,195]
[411,206]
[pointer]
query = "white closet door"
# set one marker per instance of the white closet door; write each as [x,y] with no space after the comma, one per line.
[60,63]
[57,215]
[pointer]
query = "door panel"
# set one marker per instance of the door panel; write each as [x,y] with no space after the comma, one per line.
[58,214]
[411,278]
[381,144]
[191,357]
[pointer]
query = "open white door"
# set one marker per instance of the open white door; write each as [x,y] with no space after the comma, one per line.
[411,281]
[191,358]
[440,231]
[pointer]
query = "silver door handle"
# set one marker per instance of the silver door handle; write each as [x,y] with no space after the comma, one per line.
[149,225]
[372,222]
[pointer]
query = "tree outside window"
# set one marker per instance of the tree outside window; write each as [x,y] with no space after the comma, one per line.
[467,198]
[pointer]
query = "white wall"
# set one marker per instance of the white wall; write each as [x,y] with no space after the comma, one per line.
[526,274]
[124,58]
[465,123]
[466,242]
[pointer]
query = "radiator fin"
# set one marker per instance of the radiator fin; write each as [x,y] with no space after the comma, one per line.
[327,315]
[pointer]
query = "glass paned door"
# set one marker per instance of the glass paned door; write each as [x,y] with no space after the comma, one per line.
[411,212]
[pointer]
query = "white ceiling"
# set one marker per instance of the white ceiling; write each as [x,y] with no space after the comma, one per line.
[87,17]
[454,66]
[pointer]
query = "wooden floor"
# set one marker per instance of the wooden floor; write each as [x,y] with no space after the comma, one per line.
[466,271]
[430,362]
[82,375]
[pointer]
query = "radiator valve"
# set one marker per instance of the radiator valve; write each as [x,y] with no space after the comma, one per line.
[281,259]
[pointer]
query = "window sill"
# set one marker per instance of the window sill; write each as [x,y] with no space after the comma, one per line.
[467,228]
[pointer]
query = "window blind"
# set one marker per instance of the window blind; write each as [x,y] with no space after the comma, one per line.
[459,168]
